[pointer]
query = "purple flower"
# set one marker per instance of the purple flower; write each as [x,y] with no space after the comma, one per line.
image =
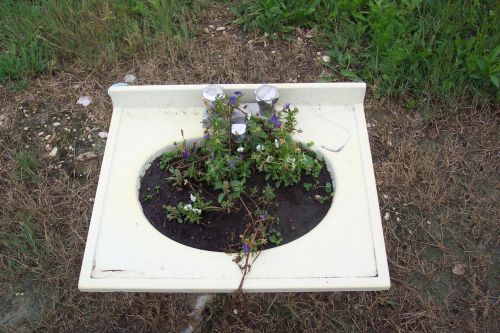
[237,93]
[261,217]
[186,154]
[231,164]
[245,248]
[275,120]
[206,136]
[287,105]
[232,100]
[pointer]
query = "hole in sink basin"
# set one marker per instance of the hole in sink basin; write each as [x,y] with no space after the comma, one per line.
[299,209]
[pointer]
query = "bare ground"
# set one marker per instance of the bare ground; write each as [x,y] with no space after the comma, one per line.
[438,184]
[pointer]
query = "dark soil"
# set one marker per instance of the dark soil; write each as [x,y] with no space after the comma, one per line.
[298,211]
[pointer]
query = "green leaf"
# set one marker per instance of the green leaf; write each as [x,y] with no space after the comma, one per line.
[349,74]
[494,80]
[221,197]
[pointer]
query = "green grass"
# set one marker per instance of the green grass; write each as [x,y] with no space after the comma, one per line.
[38,37]
[26,167]
[25,245]
[430,52]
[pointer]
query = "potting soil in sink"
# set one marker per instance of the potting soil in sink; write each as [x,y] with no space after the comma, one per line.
[298,209]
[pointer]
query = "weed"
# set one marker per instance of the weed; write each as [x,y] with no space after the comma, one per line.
[26,170]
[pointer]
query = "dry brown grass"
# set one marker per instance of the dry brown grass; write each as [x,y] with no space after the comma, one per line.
[439,181]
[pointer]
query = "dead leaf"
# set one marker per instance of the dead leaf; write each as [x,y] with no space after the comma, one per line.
[459,269]
[86,156]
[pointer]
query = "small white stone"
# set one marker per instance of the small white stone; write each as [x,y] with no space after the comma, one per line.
[53,152]
[318,53]
[387,216]
[47,137]
[56,124]
[211,26]
[428,222]
[273,52]
[129,78]
[103,135]
[84,100]
[41,133]
[386,196]
[326,58]
[205,30]
[235,311]
[220,29]
[398,219]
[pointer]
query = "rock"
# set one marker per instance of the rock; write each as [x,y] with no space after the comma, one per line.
[326,58]
[56,124]
[103,135]
[386,196]
[205,30]
[129,78]
[84,100]
[387,216]
[459,269]
[220,29]
[53,152]
[86,156]
[211,26]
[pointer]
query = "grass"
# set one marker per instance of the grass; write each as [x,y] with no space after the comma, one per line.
[25,245]
[43,36]
[26,170]
[444,173]
[428,52]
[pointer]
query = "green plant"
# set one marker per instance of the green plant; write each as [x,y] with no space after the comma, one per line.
[26,170]
[275,237]
[188,212]
[224,162]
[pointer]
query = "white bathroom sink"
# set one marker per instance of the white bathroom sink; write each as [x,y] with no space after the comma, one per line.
[124,252]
